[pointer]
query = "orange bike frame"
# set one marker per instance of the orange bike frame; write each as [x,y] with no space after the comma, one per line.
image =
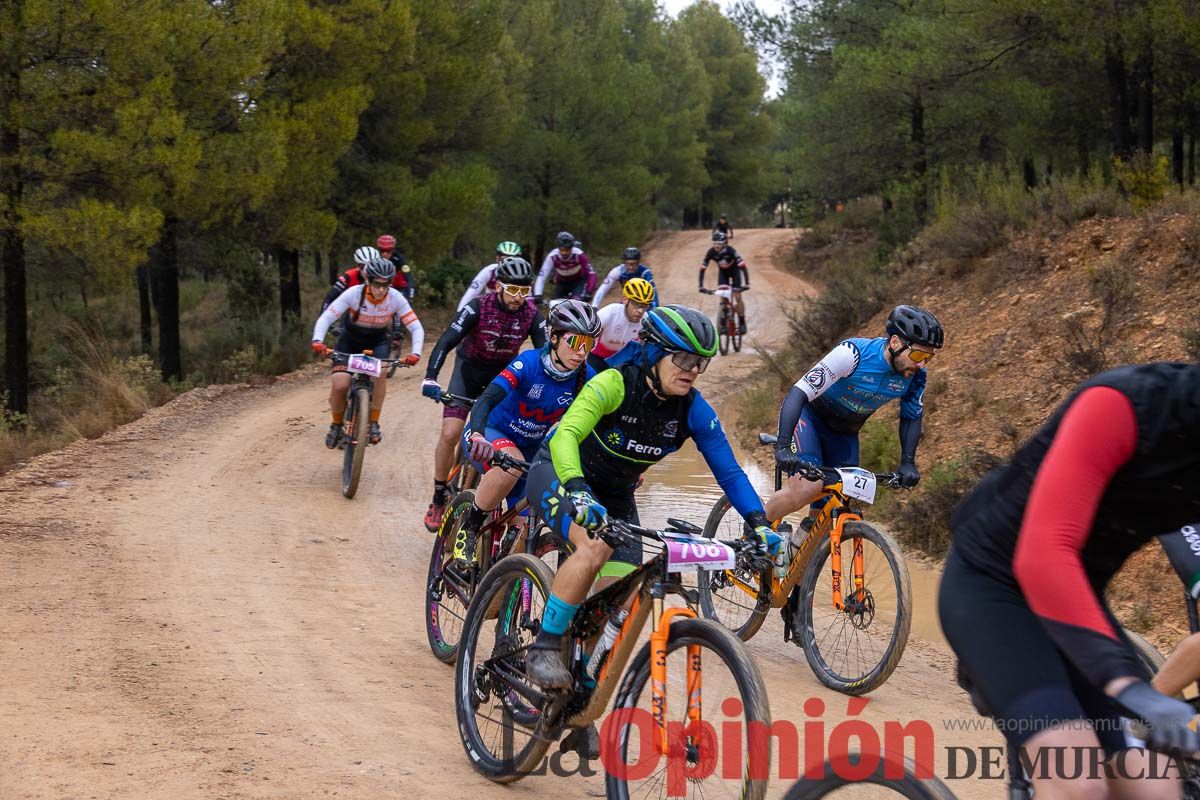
[835,558]
[658,673]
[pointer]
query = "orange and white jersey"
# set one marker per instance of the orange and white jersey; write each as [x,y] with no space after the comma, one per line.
[368,315]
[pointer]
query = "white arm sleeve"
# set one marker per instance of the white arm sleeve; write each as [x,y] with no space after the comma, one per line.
[609,280]
[543,273]
[838,363]
[406,315]
[478,284]
[335,310]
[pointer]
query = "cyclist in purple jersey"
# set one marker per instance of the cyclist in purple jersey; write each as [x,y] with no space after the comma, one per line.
[487,332]
[568,268]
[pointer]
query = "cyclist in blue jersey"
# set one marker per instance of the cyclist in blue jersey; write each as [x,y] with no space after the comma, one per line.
[823,412]
[630,267]
[520,405]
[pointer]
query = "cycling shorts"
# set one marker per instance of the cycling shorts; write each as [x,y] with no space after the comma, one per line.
[575,288]
[1004,651]
[733,277]
[356,341]
[501,440]
[468,379]
[824,447]
[543,484]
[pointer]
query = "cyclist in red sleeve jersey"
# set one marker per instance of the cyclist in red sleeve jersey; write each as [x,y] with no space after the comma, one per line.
[404,282]
[1034,546]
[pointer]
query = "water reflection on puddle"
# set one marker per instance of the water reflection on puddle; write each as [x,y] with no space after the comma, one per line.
[683,487]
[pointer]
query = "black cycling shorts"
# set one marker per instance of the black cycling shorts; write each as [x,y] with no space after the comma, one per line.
[356,340]
[733,277]
[1004,651]
[468,379]
[548,499]
[571,288]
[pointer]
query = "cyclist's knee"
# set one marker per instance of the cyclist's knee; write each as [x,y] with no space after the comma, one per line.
[591,552]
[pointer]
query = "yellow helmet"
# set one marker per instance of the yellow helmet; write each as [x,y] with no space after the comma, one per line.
[639,290]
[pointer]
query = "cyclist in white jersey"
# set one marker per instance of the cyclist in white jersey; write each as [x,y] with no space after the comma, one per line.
[375,310]
[485,279]
[620,322]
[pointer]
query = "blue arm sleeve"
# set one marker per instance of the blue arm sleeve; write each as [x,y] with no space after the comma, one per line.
[710,439]
[912,402]
[626,354]
[648,275]
[910,434]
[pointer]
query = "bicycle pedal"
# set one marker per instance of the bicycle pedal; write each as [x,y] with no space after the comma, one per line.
[691,596]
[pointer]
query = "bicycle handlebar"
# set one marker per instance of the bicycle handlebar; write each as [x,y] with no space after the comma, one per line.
[448,398]
[826,474]
[504,461]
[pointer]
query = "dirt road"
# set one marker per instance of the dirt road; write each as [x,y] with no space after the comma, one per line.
[190,609]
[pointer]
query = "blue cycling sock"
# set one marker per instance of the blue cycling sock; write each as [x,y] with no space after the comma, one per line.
[558,615]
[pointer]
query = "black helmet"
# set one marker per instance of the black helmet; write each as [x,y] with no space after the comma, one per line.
[631,253]
[916,326]
[514,270]
[718,236]
[565,239]
[574,316]
[380,269]
[680,329]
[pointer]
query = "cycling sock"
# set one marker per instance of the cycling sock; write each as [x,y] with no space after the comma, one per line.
[474,517]
[375,412]
[558,615]
[439,492]
[337,418]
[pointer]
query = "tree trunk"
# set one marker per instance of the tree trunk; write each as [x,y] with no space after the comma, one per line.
[1029,172]
[920,164]
[333,268]
[12,242]
[1191,169]
[288,263]
[164,283]
[317,263]
[144,320]
[1118,100]
[1144,69]
[1177,166]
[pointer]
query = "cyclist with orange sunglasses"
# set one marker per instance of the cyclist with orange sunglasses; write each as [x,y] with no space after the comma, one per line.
[823,412]
[488,332]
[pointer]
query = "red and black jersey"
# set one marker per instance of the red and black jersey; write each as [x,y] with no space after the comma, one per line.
[354,277]
[1117,464]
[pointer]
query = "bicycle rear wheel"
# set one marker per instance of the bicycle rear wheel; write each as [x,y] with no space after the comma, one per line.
[873,786]
[856,649]
[731,683]
[503,740]
[738,598]
[359,410]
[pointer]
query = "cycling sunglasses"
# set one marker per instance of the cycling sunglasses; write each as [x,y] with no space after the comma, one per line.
[580,343]
[690,361]
[513,290]
[919,356]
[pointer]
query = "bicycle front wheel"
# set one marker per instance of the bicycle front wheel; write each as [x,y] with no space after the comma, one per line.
[723,331]
[738,599]
[356,448]
[875,785]
[699,764]
[448,590]
[856,648]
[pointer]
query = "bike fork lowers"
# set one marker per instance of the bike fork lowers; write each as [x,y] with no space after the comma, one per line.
[658,688]
[835,559]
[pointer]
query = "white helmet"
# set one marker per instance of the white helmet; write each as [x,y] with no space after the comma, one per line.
[364,255]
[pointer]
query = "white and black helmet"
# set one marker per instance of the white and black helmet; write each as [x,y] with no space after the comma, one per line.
[380,269]
[365,255]
[565,239]
[574,316]
[514,270]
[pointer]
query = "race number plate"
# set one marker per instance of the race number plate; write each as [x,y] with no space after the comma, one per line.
[689,553]
[724,292]
[858,483]
[365,365]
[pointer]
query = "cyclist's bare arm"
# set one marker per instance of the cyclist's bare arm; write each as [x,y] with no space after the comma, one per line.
[1181,669]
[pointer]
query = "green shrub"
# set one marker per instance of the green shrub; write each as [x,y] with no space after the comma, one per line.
[879,445]
[1191,340]
[1143,178]
[443,282]
[922,519]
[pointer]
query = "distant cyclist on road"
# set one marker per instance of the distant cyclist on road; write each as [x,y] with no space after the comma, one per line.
[1036,543]
[823,412]
[520,405]
[724,227]
[568,268]
[623,422]
[387,248]
[485,280]
[621,322]
[373,310]
[731,272]
[630,267]
[488,332]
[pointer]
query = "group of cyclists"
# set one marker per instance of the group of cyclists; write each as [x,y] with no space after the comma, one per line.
[602,395]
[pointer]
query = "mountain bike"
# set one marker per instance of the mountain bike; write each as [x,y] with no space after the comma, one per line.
[463,474]
[504,745]
[448,589]
[853,638]
[729,324]
[357,421]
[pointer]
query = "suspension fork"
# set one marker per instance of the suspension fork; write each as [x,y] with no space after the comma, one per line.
[835,558]
[658,672]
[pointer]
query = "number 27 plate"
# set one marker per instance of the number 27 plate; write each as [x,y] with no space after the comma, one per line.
[858,483]
[364,364]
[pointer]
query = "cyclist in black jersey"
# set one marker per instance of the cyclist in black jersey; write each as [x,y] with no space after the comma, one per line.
[731,272]
[1036,543]
[623,422]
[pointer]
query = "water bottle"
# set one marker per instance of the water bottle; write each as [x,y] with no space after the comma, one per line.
[783,560]
[606,642]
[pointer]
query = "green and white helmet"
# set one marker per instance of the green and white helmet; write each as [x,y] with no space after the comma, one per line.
[508,249]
